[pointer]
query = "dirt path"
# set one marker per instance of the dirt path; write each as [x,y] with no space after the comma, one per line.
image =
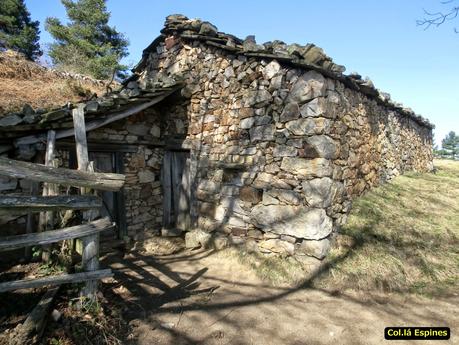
[197,298]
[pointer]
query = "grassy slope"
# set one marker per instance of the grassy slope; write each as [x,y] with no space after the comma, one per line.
[402,236]
[23,81]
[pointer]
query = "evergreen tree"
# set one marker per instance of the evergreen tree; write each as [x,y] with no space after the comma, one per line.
[17,30]
[87,44]
[451,144]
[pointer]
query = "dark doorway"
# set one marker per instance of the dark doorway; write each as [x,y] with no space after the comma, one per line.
[176,188]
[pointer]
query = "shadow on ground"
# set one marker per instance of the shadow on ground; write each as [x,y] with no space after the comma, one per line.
[404,231]
[196,298]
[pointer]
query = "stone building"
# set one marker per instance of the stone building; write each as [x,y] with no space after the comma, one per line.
[262,144]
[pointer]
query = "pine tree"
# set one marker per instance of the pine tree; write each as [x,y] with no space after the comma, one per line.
[87,44]
[17,30]
[451,144]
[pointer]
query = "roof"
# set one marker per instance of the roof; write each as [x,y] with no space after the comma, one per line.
[131,95]
[309,57]
[98,111]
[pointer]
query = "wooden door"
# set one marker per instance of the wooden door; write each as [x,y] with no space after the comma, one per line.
[176,190]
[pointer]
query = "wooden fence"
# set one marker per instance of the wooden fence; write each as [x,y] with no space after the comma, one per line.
[49,202]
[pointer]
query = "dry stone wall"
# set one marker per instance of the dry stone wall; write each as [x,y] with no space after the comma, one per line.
[278,151]
[281,151]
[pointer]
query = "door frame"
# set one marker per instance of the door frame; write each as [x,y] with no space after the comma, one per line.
[169,196]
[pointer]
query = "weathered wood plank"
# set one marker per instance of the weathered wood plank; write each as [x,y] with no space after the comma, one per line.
[120,199]
[50,155]
[67,177]
[80,137]
[32,329]
[55,280]
[102,146]
[90,255]
[46,219]
[22,204]
[183,216]
[176,170]
[166,182]
[47,237]
[30,223]
[31,139]
[90,260]
[50,147]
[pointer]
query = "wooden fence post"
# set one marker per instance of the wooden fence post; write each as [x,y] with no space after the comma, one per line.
[47,218]
[30,224]
[90,255]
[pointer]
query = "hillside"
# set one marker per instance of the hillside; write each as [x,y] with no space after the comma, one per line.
[23,81]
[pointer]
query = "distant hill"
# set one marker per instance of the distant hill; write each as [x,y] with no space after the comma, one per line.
[23,81]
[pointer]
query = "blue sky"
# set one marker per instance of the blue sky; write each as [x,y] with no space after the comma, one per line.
[378,39]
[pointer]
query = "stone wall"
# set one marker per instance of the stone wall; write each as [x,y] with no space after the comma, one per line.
[278,152]
[281,151]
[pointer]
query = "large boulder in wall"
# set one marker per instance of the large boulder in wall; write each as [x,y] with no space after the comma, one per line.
[297,221]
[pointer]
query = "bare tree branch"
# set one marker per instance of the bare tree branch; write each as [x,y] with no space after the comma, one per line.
[438,18]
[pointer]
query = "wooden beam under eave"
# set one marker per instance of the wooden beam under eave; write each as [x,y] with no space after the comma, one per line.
[64,133]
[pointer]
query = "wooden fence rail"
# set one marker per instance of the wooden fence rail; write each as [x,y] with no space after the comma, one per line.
[47,237]
[25,204]
[67,177]
[55,280]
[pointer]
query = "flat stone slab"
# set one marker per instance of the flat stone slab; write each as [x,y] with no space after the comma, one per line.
[297,221]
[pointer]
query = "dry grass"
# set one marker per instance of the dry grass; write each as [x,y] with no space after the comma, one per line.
[401,237]
[160,245]
[275,270]
[23,81]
